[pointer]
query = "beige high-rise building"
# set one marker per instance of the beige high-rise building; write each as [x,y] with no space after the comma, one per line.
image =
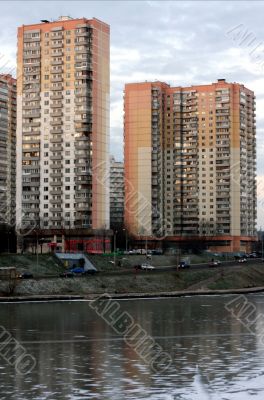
[190,163]
[63,124]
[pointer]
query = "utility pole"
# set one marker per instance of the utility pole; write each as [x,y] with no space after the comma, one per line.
[115,248]
[126,238]
[261,245]
[37,250]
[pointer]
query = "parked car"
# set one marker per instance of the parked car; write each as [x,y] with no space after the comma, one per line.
[184,264]
[67,274]
[242,260]
[26,275]
[147,267]
[252,255]
[77,271]
[90,272]
[214,263]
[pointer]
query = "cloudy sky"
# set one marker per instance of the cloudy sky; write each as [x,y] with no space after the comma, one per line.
[180,42]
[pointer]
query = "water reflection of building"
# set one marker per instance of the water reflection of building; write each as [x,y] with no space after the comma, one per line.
[77,352]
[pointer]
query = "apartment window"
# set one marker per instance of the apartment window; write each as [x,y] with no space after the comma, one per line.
[47,34]
[68,101]
[67,187]
[46,180]
[46,215]
[46,94]
[68,41]
[46,163]
[46,188]
[46,102]
[68,58]
[46,197]
[67,161]
[67,205]
[46,206]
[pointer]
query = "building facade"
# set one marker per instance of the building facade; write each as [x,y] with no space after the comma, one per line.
[8,150]
[116,194]
[63,125]
[190,163]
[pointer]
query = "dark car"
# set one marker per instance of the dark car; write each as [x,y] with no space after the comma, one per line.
[26,275]
[214,263]
[77,271]
[67,274]
[90,272]
[184,264]
[242,260]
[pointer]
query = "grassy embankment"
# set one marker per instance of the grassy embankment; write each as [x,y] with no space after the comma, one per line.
[241,276]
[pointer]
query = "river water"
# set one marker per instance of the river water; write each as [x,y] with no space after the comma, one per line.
[79,356]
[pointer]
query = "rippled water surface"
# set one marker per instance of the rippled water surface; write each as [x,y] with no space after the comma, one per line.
[80,357]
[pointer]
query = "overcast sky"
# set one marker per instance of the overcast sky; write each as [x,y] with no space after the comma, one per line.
[180,42]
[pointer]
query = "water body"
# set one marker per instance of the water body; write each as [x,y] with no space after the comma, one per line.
[80,357]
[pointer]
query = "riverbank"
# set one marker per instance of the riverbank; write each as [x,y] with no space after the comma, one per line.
[228,279]
[127,296]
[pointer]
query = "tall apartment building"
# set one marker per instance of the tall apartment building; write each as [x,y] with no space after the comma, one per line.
[116,194]
[63,124]
[190,162]
[7,150]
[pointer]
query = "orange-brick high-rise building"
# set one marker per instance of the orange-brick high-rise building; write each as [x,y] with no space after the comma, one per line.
[190,163]
[63,125]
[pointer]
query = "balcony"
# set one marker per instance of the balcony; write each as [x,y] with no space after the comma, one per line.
[56,140]
[56,45]
[56,105]
[56,62]
[55,130]
[32,62]
[56,70]
[58,87]
[57,157]
[57,183]
[56,96]
[56,148]
[57,54]
[56,166]
[56,192]
[54,123]
[56,79]
[56,113]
